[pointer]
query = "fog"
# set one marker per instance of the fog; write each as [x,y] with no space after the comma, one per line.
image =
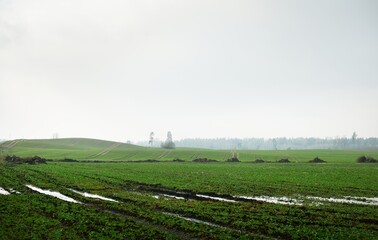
[119,70]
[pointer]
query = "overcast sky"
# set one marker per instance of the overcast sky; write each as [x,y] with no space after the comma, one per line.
[118,70]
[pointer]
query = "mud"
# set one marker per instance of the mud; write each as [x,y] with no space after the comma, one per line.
[157,190]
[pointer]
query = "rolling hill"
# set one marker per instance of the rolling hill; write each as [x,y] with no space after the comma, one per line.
[94,149]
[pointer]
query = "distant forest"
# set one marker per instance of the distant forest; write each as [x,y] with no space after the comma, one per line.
[282,143]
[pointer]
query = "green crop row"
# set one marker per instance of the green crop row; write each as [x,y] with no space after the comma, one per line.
[133,184]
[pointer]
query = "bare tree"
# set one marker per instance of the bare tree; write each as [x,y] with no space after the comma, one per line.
[151,142]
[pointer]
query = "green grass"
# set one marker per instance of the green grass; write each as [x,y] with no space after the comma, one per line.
[326,180]
[132,185]
[92,149]
[139,215]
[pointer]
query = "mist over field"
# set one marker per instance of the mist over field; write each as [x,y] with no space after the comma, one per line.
[188,119]
[118,70]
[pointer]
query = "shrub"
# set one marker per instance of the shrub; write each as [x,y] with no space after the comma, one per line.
[204,160]
[29,160]
[233,159]
[317,160]
[364,159]
[178,160]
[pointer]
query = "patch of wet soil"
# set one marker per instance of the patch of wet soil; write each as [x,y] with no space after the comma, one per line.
[158,189]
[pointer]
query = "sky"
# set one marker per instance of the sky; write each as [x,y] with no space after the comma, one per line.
[118,70]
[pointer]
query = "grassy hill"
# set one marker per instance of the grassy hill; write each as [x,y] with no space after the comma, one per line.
[94,149]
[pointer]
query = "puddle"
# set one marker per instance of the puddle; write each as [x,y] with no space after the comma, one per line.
[348,199]
[317,200]
[215,198]
[85,194]
[3,191]
[175,197]
[284,200]
[276,200]
[52,193]
[168,196]
[375,200]
[14,191]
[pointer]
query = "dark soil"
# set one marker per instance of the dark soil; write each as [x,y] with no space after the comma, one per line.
[30,160]
[204,160]
[284,160]
[259,161]
[364,159]
[317,160]
[178,160]
[233,159]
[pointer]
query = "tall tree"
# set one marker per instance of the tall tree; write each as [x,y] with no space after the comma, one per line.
[169,142]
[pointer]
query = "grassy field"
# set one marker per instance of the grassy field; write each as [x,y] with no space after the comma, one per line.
[91,149]
[163,201]
[185,200]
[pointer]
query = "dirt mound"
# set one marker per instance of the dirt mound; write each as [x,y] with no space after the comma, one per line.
[29,160]
[233,159]
[204,160]
[259,161]
[364,159]
[68,160]
[317,160]
[178,160]
[283,160]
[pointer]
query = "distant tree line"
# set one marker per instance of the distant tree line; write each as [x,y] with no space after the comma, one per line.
[282,143]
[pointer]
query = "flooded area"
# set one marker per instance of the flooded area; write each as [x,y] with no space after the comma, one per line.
[171,196]
[348,199]
[3,191]
[284,200]
[276,200]
[14,191]
[52,193]
[89,195]
[312,200]
[215,198]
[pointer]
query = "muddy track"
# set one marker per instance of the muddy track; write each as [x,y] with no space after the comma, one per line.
[107,150]
[182,193]
[11,144]
[175,232]
[195,156]
[178,233]
[158,189]
[164,154]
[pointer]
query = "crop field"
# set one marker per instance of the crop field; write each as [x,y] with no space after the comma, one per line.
[121,198]
[190,200]
[91,149]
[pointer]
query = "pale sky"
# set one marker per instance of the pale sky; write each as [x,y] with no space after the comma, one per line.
[118,70]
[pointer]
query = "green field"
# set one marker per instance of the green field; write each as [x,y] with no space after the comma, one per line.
[91,149]
[186,200]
